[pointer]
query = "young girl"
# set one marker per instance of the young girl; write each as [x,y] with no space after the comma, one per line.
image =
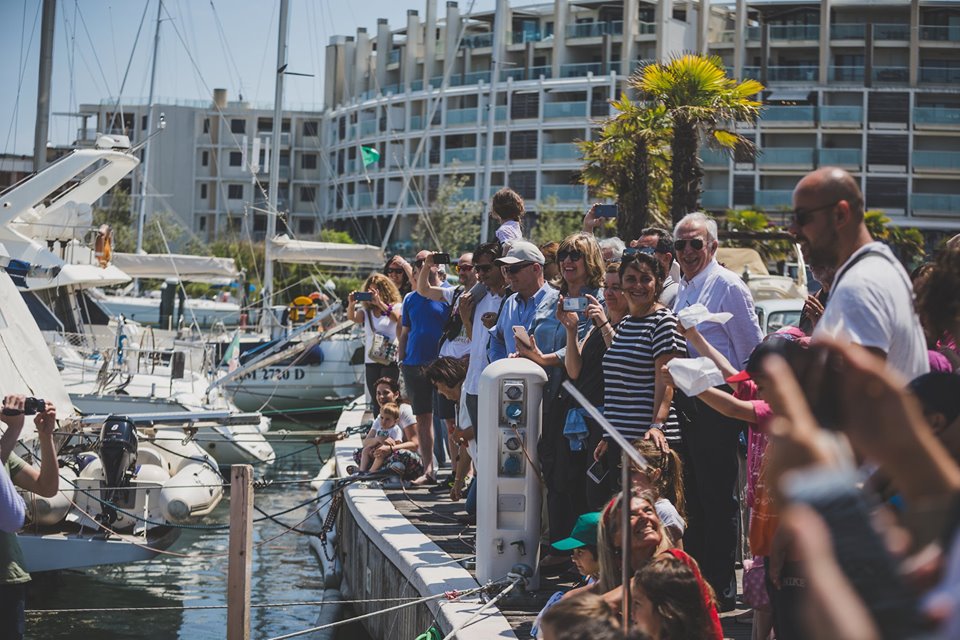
[670,600]
[379,443]
[664,478]
[507,207]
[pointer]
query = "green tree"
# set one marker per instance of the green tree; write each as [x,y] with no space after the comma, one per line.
[906,242]
[553,224]
[628,162]
[332,235]
[701,102]
[757,224]
[451,224]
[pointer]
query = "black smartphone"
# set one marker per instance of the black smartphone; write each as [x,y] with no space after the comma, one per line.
[441,258]
[598,471]
[860,551]
[362,296]
[606,211]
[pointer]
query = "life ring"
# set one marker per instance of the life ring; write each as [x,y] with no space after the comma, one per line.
[103,250]
[302,308]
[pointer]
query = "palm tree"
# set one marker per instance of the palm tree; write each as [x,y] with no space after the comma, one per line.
[701,101]
[628,162]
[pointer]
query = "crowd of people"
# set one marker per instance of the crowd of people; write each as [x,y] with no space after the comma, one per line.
[823,462]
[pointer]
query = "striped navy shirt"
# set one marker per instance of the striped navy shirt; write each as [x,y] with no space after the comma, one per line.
[629,372]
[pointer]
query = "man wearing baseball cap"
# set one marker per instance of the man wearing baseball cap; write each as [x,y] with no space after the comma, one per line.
[533,300]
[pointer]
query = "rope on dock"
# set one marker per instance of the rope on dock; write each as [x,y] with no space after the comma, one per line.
[517,579]
[266,605]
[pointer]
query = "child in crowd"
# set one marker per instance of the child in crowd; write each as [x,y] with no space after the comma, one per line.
[664,478]
[572,617]
[670,601]
[583,543]
[507,208]
[380,441]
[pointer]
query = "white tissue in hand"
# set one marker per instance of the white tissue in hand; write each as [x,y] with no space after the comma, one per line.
[693,376]
[697,313]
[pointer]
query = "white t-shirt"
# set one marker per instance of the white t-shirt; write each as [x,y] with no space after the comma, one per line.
[405,420]
[460,347]
[871,305]
[464,423]
[670,517]
[381,324]
[478,344]
[509,231]
[395,433]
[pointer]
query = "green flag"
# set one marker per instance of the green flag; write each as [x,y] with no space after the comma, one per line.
[370,156]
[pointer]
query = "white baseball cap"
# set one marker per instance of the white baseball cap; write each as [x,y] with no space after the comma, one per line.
[521,251]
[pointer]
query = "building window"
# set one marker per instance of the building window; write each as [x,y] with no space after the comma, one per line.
[308,161]
[204,158]
[308,194]
[236,159]
[523,145]
[264,124]
[311,128]
[305,226]
[143,122]
[203,191]
[202,222]
[206,125]
[235,192]
[259,222]
[238,125]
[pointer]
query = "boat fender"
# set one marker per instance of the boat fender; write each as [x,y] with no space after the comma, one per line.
[194,491]
[50,511]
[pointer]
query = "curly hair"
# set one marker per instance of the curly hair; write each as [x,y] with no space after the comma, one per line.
[608,540]
[676,597]
[586,244]
[938,303]
[384,286]
[507,204]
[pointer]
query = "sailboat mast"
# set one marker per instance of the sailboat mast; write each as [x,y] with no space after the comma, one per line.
[499,31]
[142,204]
[43,85]
[275,156]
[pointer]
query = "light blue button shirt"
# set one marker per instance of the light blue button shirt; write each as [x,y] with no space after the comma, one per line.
[526,312]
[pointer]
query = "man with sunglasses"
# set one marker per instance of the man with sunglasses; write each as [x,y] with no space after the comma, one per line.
[710,439]
[466,271]
[533,299]
[871,300]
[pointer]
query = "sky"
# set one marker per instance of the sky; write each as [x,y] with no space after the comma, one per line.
[204,44]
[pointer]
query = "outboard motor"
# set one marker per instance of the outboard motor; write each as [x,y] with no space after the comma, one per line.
[118,454]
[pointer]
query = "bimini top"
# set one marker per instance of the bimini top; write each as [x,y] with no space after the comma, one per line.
[325,254]
[175,265]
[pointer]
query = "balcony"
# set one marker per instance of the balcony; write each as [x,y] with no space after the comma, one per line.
[714,158]
[394,57]
[465,193]
[560,152]
[499,153]
[784,115]
[477,41]
[948,161]
[535,72]
[466,155]
[923,117]
[368,128]
[364,201]
[563,192]
[793,33]
[935,203]
[522,37]
[461,116]
[845,158]
[845,74]
[754,34]
[770,199]
[646,28]
[435,82]
[500,113]
[796,73]
[554,110]
[785,158]
[416,123]
[894,32]
[841,116]
[848,31]
[416,85]
[476,77]
[715,199]
[580,69]
[940,75]
[891,74]
[934,33]
[594,29]
[514,74]
[391,88]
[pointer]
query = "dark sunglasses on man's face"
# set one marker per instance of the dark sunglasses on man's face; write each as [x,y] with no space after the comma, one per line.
[696,244]
[573,254]
[463,267]
[803,217]
[418,264]
[517,268]
[484,268]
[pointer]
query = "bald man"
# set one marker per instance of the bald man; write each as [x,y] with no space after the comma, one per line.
[871,300]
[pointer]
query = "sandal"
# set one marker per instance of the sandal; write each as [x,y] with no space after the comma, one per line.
[424,480]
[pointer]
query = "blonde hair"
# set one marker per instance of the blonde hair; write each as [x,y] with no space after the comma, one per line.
[670,483]
[608,555]
[592,259]
[390,410]
[384,286]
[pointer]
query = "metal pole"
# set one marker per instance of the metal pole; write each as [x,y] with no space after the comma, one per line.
[43,84]
[240,552]
[275,157]
[144,175]
[625,565]
[499,30]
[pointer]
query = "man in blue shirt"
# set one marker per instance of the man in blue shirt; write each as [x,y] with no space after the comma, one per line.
[532,301]
[421,326]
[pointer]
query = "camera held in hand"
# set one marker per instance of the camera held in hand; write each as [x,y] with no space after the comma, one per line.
[30,407]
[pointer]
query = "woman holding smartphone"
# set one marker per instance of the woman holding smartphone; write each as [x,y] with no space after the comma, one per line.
[377,307]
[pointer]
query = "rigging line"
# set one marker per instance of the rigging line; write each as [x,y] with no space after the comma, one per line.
[113,37]
[203,607]
[12,130]
[96,56]
[274,20]
[338,188]
[126,72]
[228,53]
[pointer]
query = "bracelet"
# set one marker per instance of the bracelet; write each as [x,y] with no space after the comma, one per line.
[604,324]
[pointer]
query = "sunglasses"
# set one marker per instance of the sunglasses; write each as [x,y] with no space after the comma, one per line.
[696,244]
[632,251]
[802,217]
[418,264]
[465,267]
[517,268]
[394,270]
[573,254]
[484,268]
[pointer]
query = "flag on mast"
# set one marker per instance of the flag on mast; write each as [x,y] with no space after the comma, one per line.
[369,155]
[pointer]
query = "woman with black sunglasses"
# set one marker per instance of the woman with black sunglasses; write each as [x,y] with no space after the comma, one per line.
[401,273]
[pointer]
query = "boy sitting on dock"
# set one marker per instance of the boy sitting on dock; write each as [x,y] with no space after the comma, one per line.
[379,443]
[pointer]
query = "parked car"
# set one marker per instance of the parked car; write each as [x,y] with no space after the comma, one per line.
[776,313]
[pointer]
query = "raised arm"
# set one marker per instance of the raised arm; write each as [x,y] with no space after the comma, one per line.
[45,481]
[424,287]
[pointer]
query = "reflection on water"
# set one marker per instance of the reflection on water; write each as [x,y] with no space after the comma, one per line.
[284,570]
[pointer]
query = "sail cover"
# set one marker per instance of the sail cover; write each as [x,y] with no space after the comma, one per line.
[325,254]
[174,265]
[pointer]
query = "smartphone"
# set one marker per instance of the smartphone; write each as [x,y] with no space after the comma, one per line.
[598,471]
[441,258]
[860,551]
[520,335]
[606,211]
[362,296]
[574,304]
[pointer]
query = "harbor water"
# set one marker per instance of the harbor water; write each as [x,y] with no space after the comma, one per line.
[284,570]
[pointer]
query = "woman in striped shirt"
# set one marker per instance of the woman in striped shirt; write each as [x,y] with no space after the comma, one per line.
[637,397]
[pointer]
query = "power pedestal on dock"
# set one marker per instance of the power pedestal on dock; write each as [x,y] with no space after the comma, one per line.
[509,497]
